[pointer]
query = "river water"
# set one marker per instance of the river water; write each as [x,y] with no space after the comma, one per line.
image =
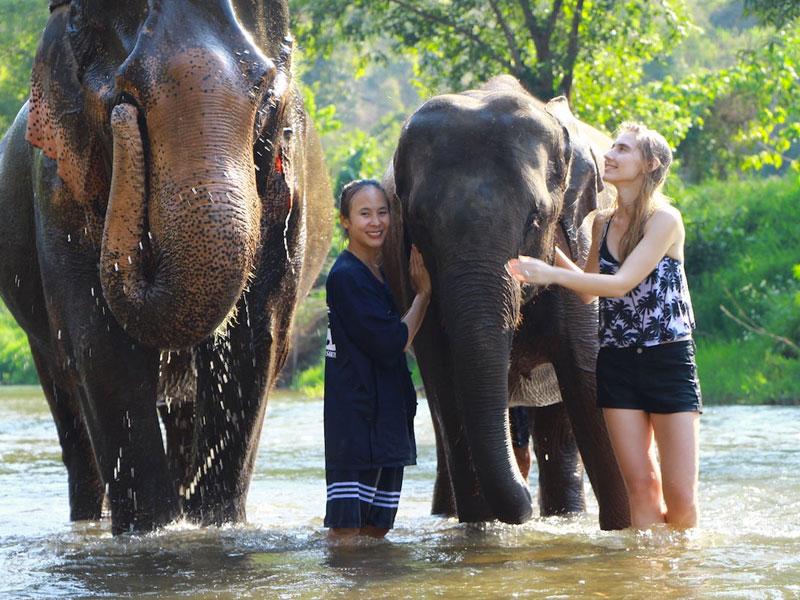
[748,544]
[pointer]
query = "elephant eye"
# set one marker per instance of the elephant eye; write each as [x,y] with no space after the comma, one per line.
[125,98]
[532,219]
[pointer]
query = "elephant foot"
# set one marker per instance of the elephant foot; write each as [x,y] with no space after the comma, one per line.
[85,502]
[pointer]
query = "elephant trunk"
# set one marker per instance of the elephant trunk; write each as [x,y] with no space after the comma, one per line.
[179,242]
[480,329]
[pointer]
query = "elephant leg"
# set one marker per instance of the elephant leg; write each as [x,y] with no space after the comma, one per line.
[117,394]
[177,391]
[579,394]
[235,374]
[85,486]
[560,468]
[443,502]
[178,421]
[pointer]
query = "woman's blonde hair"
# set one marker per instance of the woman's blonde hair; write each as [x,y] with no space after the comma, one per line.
[651,145]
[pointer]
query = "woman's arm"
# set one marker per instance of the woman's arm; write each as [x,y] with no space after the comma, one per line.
[421,282]
[661,233]
[564,262]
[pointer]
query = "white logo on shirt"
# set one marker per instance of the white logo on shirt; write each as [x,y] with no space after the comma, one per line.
[330,347]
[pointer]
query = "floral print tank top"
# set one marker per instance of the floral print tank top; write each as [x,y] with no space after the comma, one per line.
[657,310]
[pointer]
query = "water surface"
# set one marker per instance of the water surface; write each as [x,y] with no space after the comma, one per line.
[748,544]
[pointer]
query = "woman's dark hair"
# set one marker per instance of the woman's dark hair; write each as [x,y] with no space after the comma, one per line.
[349,190]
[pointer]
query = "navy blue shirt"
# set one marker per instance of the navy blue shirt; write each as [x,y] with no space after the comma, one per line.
[370,401]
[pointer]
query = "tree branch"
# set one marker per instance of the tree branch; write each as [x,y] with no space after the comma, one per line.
[572,50]
[761,331]
[465,32]
[512,43]
[541,34]
[751,325]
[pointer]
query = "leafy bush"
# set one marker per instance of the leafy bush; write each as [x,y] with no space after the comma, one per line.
[741,254]
[748,371]
[16,362]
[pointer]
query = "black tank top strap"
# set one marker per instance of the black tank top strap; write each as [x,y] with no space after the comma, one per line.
[605,253]
[605,228]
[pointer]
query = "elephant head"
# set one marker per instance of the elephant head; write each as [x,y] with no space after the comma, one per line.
[481,177]
[162,118]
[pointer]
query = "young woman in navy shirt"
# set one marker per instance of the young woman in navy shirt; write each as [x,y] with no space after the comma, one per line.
[647,381]
[370,401]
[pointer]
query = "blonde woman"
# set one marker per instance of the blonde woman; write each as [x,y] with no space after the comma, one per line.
[647,383]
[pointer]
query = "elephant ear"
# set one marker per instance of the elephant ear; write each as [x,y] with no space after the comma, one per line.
[396,249]
[584,182]
[57,122]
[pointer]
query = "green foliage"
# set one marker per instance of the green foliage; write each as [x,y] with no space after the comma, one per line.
[741,241]
[21,24]
[311,381]
[738,118]
[461,43]
[733,372]
[16,362]
[775,12]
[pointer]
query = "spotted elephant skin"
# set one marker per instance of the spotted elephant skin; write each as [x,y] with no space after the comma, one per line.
[165,209]
[478,178]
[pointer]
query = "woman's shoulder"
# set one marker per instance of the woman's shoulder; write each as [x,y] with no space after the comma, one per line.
[666,215]
[344,267]
[599,217]
[349,272]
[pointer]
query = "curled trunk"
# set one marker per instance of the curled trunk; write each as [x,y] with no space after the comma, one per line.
[181,232]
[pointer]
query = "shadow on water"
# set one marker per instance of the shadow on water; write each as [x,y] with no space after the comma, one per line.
[747,547]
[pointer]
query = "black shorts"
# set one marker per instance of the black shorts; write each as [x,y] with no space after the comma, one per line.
[359,497]
[656,379]
[520,430]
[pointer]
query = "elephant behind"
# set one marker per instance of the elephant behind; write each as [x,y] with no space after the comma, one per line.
[478,178]
[166,207]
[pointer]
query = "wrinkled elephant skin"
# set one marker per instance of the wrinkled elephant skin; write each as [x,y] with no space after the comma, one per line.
[478,178]
[165,208]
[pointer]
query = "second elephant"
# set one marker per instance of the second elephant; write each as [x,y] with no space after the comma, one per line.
[478,178]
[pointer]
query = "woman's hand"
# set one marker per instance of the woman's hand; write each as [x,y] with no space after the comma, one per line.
[531,270]
[420,279]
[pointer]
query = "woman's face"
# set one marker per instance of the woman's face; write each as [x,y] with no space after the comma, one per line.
[368,220]
[624,163]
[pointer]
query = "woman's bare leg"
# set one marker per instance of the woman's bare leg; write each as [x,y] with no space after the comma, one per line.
[631,435]
[678,439]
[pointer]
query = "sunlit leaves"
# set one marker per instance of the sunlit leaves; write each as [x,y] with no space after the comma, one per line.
[461,43]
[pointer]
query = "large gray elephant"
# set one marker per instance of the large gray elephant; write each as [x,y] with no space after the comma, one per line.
[165,208]
[478,178]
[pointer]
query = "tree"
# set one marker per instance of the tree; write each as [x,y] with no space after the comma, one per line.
[775,12]
[461,43]
[21,25]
